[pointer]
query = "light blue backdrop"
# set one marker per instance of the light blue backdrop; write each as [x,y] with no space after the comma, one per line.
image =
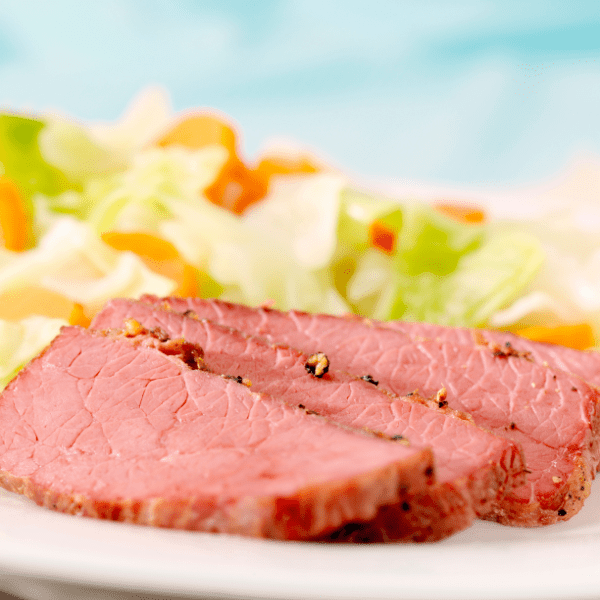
[480,93]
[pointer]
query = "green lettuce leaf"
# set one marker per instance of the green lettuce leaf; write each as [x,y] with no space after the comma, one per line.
[70,148]
[22,161]
[440,270]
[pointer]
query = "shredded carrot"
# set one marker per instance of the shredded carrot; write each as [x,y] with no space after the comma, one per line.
[78,316]
[143,244]
[159,255]
[188,283]
[201,130]
[237,187]
[579,336]
[283,165]
[461,212]
[382,237]
[14,224]
[34,300]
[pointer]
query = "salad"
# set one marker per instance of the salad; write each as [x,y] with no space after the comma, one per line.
[164,204]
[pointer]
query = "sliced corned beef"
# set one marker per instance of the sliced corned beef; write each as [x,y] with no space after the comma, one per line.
[130,429]
[585,364]
[474,467]
[552,414]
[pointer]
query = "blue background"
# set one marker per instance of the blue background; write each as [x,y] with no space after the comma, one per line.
[476,93]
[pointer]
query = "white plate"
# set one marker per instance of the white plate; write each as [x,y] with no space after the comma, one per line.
[65,554]
[487,561]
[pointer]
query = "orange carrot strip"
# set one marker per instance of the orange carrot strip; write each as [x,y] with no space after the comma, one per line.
[579,336]
[34,300]
[78,316]
[283,165]
[382,237]
[236,187]
[14,224]
[143,244]
[188,285]
[461,212]
[158,255]
[201,130]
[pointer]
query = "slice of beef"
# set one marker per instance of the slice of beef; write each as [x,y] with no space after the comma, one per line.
[130,429]
[586,364]
[552,414]
[474,467]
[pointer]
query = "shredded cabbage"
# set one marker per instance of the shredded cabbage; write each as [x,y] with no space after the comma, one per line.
[306,245]
[567,287]
[441,271]
[71,260]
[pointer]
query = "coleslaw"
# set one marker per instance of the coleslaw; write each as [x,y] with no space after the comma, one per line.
[163,204]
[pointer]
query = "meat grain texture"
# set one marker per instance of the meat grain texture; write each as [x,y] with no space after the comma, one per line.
[475,469]
[550,412]
[585,365]
[124,428]
[211,416]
